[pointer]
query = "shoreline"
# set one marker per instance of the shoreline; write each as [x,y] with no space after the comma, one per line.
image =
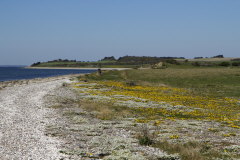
[82,68]
[8,83]
[12,83]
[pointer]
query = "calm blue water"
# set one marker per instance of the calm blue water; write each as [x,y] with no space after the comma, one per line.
[17,73]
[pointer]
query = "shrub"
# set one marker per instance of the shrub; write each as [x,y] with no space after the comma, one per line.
[236,64]
[144,140]
[225,64]
[144,137]
[131,83]
[196,64]
[198,57]
[172,61]
[218,56]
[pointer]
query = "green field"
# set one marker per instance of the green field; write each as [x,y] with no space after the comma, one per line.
[213,81]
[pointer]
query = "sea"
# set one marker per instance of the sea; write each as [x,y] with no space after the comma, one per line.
[9,73]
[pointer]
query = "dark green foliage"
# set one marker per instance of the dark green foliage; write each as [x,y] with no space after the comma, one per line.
[225,64]
[35,64]
[62,60]
[131,83]
[172,61]
[144,137]
[125,62]
[203,64]
[218,56]
[236,59]
[112,58]
[146,59]
[144,140]
[198,57]
[196,64]
[236,64]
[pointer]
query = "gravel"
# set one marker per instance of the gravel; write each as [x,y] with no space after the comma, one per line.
[24,118]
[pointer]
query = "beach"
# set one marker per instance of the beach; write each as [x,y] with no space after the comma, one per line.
[24,117]
[41,120]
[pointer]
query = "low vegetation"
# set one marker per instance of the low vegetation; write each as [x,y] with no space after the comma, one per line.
[201,81]
[190,150]
[187,112]
[193,112]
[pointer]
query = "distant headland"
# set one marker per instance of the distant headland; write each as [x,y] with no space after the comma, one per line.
[139,62]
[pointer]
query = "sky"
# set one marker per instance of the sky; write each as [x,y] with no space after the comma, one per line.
[88,30]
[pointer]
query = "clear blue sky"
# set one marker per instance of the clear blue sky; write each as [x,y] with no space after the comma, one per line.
[42,30]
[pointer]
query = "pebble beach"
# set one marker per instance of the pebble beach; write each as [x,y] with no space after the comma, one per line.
[24,118]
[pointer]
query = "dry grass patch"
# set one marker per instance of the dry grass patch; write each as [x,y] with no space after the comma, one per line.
[189,150]
[106,111]
[58,106]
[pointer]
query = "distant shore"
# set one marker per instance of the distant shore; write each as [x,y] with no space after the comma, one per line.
[83,68]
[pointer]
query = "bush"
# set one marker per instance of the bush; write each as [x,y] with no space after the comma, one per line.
[235,59]
[218,56]
[196,64]
[172,61]
[144,140]
[131,83]
[236,64]
[198,57]
[225,64]
[35,64]
[144,137]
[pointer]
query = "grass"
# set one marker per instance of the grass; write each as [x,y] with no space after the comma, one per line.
[220,81]
[106,75]
[212,59]
[103,111]
[200,91]
[106,111]
[189,150]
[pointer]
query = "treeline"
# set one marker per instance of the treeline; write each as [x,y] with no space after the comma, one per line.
[217,56]
[212,64]
[125,60]
[63,60]
[137,61]
[144,59]
[57,60]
